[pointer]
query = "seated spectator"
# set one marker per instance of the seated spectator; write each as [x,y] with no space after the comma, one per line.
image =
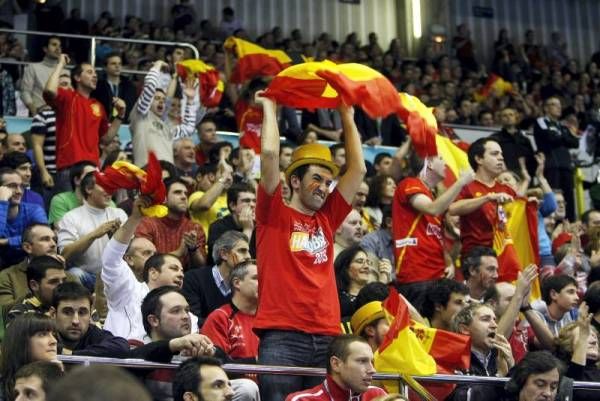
[352,274]
[347,376]
[443,301]
[124,293]
[381,192]
[480,270]
[176,233]
[44,274]
[507,301]
[13,143]
[383,163]
[15,216]
[241,202]
[19,162]
[38,240]
[207,136]
[243,162]
[370,322]
[76,333]
[559,302]
[35,380]
[28,339]
[358,204]
[578,348]
[230,326]
[378,244]
[348,234]
[84,231]
[209,202]
[490,351]
[185,159]
[536,377]
[63,202]
[207,289]
[101,383]
[592,299]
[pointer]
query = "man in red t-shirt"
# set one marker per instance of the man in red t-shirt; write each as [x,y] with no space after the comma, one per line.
[479,204]
[298,308]
[417,228]
[230,326]
[81,122]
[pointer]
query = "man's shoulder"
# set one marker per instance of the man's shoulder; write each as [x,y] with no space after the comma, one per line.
[314,393]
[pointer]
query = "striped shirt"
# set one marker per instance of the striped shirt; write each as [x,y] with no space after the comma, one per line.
[44,124]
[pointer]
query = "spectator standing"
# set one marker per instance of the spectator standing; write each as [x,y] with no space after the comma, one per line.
[113,84]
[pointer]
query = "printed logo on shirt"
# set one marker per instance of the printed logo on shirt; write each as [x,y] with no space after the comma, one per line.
[401,243]
[434,230]
[315,244]
[96,109]
[254,128]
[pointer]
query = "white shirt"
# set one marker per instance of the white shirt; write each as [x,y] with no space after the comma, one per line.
[81,221]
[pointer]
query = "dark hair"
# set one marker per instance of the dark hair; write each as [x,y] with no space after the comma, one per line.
[380,156]
[534,362]
[342,264]
[556,283]
[215,150]
[76,72]
[374,291]
[439,294]
[88,182]
[208,168]
[15,349]
[592,298]
[228,11]
[48,372]
[335,147]
[49,38]
[240,271]
[234,191]
[174,180]
[28,232]
[111,55]
[187,377]
[156,262]
[376,185]
[6,171]
[99,383]
[415,164]
[70,291]
[477,149]
[39,265]
[585,217]
[151,304]
[339,347]
[15,159]
[473,259]
[169,167]
[76,170]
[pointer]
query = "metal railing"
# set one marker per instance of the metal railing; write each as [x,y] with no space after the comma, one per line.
[298,371]
[93,40]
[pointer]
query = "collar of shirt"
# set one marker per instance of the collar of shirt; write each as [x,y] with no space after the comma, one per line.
[220,281]
[483,358]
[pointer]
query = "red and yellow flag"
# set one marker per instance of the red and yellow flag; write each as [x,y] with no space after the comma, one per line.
[211,85]
[522,226]
[420,123]
[455,158]
[325,84]
[494,85]
[254,60]
[124,175]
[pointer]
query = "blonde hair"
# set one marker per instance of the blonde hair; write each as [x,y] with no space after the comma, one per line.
[564,341]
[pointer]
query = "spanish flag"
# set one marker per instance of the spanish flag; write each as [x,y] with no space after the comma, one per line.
[211,85]
[503,244]
[124,175]
[325,84]
[455,158]
[420,123]
[494,85]
[254,61]
[522,226]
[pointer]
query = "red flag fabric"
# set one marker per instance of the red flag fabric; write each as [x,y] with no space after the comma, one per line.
[211,85]
[494,85]
[420,123]
[254,60]
[124,175]
[325,84]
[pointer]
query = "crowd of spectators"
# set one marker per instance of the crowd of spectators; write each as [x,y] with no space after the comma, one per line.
[86,272]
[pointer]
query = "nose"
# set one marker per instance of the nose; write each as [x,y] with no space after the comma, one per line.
[229,392]
[371,368]
[75,320]
[493,324]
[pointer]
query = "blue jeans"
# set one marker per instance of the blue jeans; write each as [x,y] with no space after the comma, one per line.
[87,279]
[290,348]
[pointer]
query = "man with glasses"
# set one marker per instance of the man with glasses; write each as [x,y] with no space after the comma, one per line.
[14,217]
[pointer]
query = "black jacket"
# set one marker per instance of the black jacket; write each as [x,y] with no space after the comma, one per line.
[103,93]
[554,140]
[515,146]
[98,342]
[202,293]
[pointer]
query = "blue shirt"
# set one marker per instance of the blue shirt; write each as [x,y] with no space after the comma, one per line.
[547,207]
[13,228]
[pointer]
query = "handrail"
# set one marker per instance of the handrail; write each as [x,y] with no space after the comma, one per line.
[93,40]
[124,71]
[299,371]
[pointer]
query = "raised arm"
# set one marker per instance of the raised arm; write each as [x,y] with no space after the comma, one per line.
[150,84]
[51,89]
[523,287]
[269,139]
[438,206]
[355,160]
[188,121]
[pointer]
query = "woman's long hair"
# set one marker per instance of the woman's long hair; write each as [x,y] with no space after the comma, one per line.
[15,350]
[342,265]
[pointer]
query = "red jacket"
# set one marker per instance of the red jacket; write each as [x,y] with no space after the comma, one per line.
[329,390]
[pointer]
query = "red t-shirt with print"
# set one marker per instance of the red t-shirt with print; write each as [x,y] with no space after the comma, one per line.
[477,227]
[80,123]
[232,332]
[296,280]
[418,238]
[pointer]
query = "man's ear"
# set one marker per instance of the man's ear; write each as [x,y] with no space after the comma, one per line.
[34,286]
[153,320]
[335,363]
[26,246]
[464,329]
[553,295]
[369,331]
[189,396]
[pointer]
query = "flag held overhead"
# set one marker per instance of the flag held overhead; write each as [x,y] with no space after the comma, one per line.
[254,60]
